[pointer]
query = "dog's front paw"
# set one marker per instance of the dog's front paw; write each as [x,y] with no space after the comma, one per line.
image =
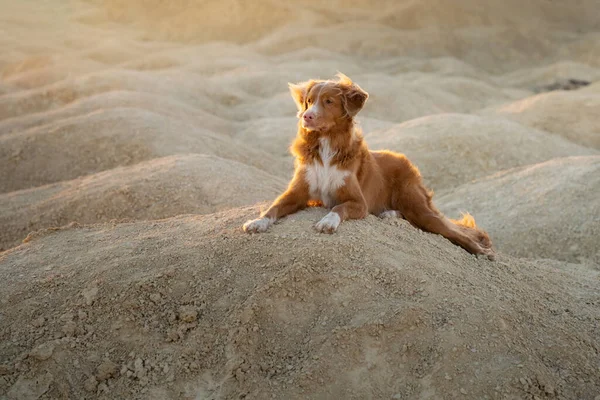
[329,223]
[257,225]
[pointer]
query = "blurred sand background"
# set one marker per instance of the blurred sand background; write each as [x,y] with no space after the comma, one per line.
[137,136]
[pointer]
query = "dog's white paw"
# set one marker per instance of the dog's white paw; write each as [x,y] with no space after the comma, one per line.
[390,214]
[329,223]
[257,225]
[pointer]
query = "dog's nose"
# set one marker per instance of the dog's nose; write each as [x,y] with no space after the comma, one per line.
[308,116]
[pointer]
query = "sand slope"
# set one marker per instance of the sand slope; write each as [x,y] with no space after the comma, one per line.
[163,187]
[451,149]
[573,115]
[547,210]
[114,137]
[191,307]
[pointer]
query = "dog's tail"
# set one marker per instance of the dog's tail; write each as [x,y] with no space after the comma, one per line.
[467,220]
[467,225]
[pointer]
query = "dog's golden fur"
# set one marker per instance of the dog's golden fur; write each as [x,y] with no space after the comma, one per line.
[335,168]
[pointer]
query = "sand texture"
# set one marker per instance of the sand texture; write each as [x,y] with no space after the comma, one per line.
[136,137]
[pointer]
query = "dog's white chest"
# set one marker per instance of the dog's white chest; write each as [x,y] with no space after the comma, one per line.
[325,179]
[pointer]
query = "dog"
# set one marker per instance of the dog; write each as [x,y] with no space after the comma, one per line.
[334,168]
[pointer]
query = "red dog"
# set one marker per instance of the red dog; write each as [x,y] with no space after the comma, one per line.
[335,169]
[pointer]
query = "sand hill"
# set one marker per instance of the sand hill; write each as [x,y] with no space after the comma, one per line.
[159,188]
[530,219]
[451,149]
[572,115]
[137,136]
[191,307]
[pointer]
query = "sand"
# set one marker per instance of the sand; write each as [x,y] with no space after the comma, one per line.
[452,149]
[137,136]
[189,306]
[558,220]
[160,188]
[571,115]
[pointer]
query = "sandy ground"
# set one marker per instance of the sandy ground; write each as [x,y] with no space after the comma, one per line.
[137,136]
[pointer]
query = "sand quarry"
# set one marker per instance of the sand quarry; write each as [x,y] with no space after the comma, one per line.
[137,136]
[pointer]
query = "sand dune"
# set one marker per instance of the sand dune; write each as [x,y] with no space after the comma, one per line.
[573,115]
[393,312]
[107,139]
[159,188]
[547,210]
[451,149]
[119,116]
[538,77]
[170,107]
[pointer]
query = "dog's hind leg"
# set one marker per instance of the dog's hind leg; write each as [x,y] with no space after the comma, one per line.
[414,202]
[390,214]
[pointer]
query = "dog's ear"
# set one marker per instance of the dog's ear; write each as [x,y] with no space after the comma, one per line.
[299,92]
[353,98]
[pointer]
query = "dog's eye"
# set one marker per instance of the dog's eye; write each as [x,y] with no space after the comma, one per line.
[309,101]
[328,101]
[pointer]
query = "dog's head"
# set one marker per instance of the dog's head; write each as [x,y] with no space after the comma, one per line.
[324,104]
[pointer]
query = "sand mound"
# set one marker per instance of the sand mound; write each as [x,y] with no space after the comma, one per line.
[160,188]
[540,77]
[463,29]
[451,149]
[573,115]
[102,140]
[415,95]
[179,21]
[192,307]
[547,210]
[155,103]
[468,13]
